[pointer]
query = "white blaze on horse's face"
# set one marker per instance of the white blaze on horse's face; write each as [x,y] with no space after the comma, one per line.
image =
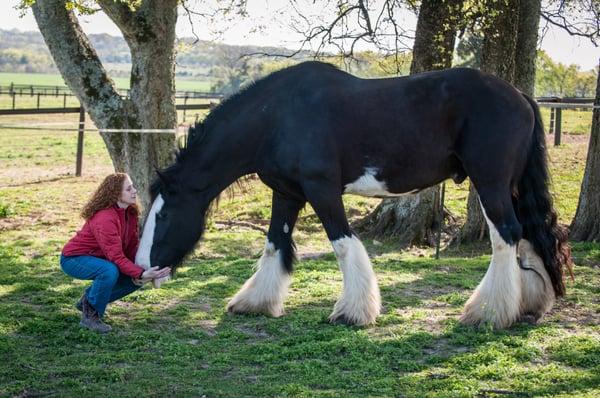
[142,256]
[368,185]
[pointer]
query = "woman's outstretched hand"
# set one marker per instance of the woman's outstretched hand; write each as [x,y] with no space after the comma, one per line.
[156,273]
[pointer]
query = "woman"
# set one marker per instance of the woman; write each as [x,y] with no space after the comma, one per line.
[104,249]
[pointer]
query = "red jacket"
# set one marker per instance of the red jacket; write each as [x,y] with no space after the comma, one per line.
[111,234]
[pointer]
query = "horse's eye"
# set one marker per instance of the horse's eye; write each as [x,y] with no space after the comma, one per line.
[160,215]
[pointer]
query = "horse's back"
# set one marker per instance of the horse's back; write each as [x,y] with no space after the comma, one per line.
[410,131]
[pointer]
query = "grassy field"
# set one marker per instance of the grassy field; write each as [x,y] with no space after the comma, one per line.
[179,341]
[121,82]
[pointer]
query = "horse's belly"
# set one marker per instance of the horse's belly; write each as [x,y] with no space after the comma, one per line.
[369,185]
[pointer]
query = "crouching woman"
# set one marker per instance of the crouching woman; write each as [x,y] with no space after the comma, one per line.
[104,250]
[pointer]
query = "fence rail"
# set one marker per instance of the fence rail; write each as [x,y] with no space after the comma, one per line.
[81,129]
[556,105]
[40,91]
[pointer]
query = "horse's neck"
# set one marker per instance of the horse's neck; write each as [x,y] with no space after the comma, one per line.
[223,158]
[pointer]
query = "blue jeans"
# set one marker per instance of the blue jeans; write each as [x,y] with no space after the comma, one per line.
[109,284]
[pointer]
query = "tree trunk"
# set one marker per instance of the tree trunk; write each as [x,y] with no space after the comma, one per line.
[498,57]
[150,33]
[410,219]
[585,226]
[526,49]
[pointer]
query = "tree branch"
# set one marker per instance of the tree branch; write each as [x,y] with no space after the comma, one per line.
[581,19]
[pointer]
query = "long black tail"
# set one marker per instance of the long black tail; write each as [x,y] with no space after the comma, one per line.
[536,211]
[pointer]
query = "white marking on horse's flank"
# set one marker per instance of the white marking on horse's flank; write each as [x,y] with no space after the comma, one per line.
[286,228]
[265,291]
[360,302]
[497,298]
[142,257]
[368,185]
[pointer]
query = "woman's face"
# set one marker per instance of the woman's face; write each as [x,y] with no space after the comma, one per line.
[129,193]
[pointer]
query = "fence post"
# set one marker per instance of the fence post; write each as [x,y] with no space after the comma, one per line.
[552,120]
[80,141]
[14,97]
[184,104]
[438,239]
[31,88]
[557,126]
[38,100]
[64,100]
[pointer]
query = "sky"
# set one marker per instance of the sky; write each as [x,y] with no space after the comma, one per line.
[557,43]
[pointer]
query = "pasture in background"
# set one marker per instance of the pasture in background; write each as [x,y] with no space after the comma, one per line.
[121,82]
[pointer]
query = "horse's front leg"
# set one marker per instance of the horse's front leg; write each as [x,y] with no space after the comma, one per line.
[360,303]
[265,291]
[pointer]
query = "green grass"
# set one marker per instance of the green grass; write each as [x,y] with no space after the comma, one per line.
[574,121]
[121,82]
[179,341]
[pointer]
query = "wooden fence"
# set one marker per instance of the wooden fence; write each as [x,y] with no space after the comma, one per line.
[57,91]
[556,105]
[81,129]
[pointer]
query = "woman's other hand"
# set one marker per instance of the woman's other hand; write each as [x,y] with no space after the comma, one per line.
[156,273]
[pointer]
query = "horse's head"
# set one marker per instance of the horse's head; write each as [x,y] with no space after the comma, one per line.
[173,225]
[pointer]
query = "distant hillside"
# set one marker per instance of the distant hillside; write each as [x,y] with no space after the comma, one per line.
[27,52]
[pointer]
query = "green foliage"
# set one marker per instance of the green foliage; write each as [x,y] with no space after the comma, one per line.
[5,210]
[557,79]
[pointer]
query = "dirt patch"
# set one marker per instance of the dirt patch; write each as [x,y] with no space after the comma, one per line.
[209,327]
[572,314]
[21,222]
[566,138]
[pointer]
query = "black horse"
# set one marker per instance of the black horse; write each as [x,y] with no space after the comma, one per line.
[312,133]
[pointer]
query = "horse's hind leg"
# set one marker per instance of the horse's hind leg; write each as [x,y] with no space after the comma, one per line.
[497,298]
[265,291]
[360,303]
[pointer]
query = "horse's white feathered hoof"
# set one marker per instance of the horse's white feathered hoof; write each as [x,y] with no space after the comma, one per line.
[241,304]
[361,312]
[265,291]
[250,300]
[499,315]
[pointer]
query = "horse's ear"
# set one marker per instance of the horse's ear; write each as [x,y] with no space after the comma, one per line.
[162,177]
[195,132]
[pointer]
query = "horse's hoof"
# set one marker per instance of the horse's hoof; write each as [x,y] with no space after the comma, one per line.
[529,318]
[341,319]
[243,307]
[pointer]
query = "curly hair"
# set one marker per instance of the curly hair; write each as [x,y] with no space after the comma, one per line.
[106,195]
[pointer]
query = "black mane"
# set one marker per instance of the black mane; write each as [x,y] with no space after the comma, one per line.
[199,131]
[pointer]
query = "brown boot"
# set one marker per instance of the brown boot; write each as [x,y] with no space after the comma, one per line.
[91,319]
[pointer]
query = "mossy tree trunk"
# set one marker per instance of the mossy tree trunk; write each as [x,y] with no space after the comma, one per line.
[149,31]
[586,224]
[410,219]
